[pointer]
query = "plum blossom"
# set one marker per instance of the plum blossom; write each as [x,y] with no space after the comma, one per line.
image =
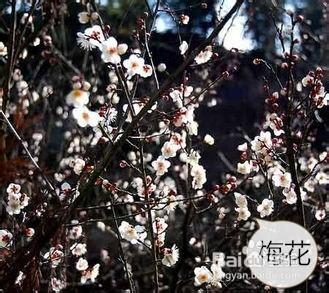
[57,285]
[20,278]
[290,194]
[78,165]
[5,238]
[261,143]
[75,232]
[111,50]
[159,225]
[29,232]
[161,165]
[204,56]
[240,200]
[307,80]
[199,176]
[78,249]
[134,65]
[202,275]
[13,188]
[242,209]
[275,123]
[173,202]
[322,178]
[193,158]
[320,214]
[90,274]
[265,208]
[146,71]
[184,19]
[16,201]
[208,139]
[3,49]
[281,179]
[183,47]
[131,233]
[243,147]
[218,275]
[177,95]
[55,255]
[91,38]
[169,149]
[77,98]
[245,168]
[83,17]
[170,256]
[243,213]
[162,67]
[82,264]
[86,117]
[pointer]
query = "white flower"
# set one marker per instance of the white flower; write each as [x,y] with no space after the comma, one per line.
[29,232]
[208,139]
[193,158]
[3,49]
[244,213]
[13,188]
[199,176]
[172,203]
[146,71]
[82,264]
[218,275]
[55,256]
[86,117]
[83,17]
[275,123]
[170,256]
[128,232]
[57,285]
[290,194]
[111,51]
[184,19]
[265,208]
[322,178]
[5,238]
[262,142]
[75,232]
[90,273]
[307,80]
[240,200]
[204,56]
[133,64]
[84,43]
[78,249]
[244,168]
[78,165]
[77,98]
[159,225]
[281,179]
[202,275]
[91,38]
[16,202]
[20,278]
[161,166]
[169,149]
[320,214]
[162,67]
[243,147]
[183,47]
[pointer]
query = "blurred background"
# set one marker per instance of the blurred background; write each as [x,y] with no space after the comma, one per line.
[235,108]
